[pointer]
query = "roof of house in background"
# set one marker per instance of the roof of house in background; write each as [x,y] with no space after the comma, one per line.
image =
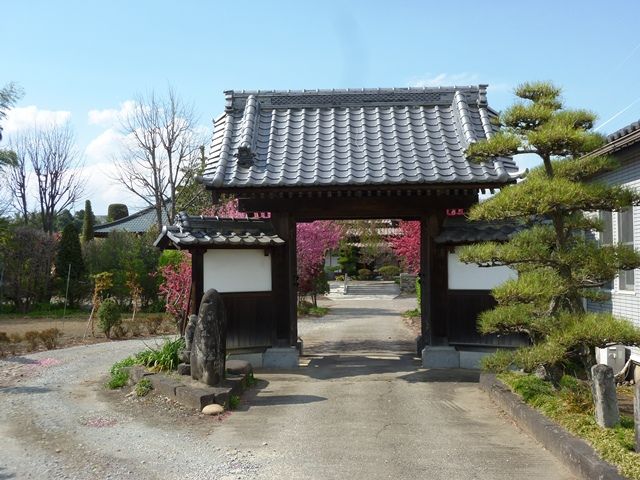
[622,138]
[139,222]
[214,232]
[406,136]
[460,231]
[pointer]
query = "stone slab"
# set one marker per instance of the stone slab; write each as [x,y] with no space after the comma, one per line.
[280,358]
[195,397]
[164,385]
[136,373]
[574,453]
[471,360]
[440,357]
[238,367]
[255,359]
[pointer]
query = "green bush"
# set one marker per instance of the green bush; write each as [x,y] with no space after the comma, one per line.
[389,272]
[143,387]
[365,274]
[109,316]
[164,358]
[419,292]
[116,211]
[340,278]
[498,362]
[119,373]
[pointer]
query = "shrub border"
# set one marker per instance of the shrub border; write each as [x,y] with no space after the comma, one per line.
[576,454]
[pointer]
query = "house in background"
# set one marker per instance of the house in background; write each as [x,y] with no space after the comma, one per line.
[139,222]
[622,227]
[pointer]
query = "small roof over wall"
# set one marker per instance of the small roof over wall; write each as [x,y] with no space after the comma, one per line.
[214,232]
[139,222]
[460,231]
[370,137]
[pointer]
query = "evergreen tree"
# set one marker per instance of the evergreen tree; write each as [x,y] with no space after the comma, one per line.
[116,211]
[558,262]
[70,254]
[88,222]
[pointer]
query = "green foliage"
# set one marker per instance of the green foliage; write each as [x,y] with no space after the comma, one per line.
[389,272]
[126,255]
[165,358]
[234,402]
[109,316]
[70,255]
[498,362]
[311,310]
[415,313]
[116,211]
[119,373]
[27,254]
[419,293]
[143,387]
[348,259]
[557,264]
[88,222]
[365,274]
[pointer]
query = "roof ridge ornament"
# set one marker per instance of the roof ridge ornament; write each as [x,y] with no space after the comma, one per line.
[245,154]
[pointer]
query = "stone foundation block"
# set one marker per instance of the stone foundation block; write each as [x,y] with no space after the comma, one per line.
[194,397]
[238,367]
[280,358]
[164,385]
[184,369]
[440,357]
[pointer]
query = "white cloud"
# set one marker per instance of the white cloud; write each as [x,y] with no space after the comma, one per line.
[21,118]
[445,80]
[456,79]
[111,116]
[105,146]
[102,190]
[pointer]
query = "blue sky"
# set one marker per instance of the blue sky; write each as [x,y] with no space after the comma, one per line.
[81,60]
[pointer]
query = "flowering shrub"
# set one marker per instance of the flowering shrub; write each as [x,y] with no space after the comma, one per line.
[175,285]
[407,245]
[314,240]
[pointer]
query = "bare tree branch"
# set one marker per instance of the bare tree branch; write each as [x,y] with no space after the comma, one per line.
[160,147]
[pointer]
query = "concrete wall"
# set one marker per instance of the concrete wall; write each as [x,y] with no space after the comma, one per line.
[237,270]
[624,303]
[469,276]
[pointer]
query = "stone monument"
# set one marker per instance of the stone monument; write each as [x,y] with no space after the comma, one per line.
[206,340]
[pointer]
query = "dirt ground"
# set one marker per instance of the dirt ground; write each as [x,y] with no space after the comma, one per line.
[75,330]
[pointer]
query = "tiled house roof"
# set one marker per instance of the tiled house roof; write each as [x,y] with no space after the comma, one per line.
[138,222]
[460,231]
[214,232]
[276,139]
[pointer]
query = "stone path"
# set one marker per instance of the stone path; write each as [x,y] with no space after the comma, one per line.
[360,408]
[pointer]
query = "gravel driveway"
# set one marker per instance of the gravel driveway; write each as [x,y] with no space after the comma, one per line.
[359,408]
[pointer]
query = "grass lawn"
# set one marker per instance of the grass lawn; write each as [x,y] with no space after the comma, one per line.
[571,406]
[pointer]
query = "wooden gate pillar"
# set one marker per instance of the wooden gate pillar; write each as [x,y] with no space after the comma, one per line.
[434,284]
[284,281]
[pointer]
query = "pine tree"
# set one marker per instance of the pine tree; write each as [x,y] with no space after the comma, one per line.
[70,254]
[558,262]
[88,222]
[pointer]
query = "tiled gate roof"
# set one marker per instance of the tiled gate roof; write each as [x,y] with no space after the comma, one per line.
[306,138]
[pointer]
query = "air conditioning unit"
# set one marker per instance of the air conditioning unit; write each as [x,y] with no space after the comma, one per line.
[613,356]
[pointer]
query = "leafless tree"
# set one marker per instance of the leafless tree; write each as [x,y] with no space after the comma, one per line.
[160,148]
[51,155]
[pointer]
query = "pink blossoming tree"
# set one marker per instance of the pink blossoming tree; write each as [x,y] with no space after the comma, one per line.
[407,245]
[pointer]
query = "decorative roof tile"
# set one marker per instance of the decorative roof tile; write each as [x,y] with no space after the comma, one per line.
[215,232]
[353,137]
[460,231]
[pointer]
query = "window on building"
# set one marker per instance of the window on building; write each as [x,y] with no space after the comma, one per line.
[606,236]
[625,237]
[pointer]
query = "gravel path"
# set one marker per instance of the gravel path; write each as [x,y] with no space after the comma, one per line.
[360,407]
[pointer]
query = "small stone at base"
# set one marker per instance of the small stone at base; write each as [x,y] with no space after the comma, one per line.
[213,409]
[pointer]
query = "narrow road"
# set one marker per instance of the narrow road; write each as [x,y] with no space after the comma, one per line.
[360,407]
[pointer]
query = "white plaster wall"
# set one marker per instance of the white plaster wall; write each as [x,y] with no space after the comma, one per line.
[469,276]
[237,270]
